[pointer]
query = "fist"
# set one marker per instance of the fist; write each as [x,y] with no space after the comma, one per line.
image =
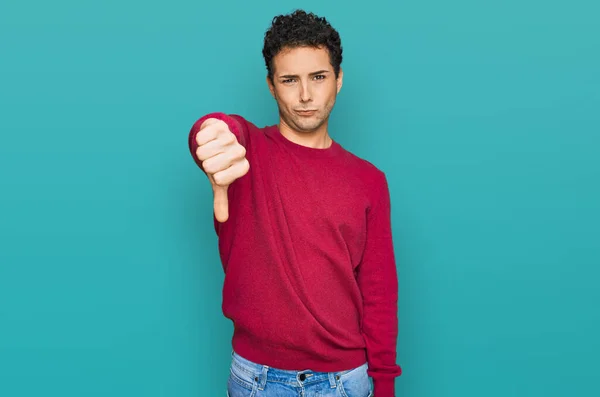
[223,160]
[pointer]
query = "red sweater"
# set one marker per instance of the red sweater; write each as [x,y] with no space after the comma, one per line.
[310,274]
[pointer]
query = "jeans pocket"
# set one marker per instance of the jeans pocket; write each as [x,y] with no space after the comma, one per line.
[355,383]
[242,382]
[237,388]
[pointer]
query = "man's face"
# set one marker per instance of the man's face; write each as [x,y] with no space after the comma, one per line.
[304,86]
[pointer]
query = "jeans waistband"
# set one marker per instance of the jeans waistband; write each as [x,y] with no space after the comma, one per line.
[264,373]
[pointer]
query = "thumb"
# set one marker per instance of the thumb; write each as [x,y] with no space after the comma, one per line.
[221,203]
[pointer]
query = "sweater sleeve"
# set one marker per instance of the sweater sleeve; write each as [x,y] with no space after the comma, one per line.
[378,281]
[235,124]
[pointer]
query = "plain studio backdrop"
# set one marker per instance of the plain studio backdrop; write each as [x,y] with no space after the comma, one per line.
[484,116]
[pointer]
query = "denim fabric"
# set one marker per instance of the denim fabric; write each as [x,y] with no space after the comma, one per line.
[249,379]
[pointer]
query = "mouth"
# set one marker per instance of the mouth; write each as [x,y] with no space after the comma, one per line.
[305,113]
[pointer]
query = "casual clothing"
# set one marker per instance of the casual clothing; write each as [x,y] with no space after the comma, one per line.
[310,274]
[246,378]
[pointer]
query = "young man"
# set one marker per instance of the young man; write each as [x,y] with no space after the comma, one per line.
[304,233]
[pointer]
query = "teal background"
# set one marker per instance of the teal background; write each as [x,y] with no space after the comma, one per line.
[484,116]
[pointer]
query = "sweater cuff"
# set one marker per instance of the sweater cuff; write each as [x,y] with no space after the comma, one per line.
[383,387]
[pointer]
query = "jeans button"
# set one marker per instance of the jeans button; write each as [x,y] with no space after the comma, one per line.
[302,377]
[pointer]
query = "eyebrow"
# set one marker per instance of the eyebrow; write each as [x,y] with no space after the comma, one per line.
[291,76]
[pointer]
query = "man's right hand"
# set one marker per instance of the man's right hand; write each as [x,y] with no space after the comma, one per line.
[223,160]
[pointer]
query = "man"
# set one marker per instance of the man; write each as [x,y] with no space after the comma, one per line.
[304,233]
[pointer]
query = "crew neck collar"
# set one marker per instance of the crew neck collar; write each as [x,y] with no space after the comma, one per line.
[302,150]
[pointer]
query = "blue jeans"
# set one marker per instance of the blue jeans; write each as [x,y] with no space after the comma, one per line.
[249,379]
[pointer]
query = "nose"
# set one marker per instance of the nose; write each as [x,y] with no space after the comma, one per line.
[305,94]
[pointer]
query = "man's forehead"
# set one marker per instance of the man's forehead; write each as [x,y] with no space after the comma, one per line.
[302,60]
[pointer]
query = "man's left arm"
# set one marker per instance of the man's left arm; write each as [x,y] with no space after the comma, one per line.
[378,281]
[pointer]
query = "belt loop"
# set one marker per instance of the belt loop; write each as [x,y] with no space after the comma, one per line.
[332,382]
[263,377]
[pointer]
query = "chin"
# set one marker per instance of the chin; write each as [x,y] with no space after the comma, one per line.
[308,125]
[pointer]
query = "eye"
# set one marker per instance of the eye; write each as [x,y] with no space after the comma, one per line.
[287,81]
[320,77]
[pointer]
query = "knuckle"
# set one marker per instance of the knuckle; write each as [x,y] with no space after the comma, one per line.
[231,140]
[208,166]
[207,122]
[245,165]
[199,136]
[204,135]
[219,179]
[221,126]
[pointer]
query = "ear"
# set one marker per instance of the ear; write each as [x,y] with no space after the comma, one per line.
[340,80]
[271,87]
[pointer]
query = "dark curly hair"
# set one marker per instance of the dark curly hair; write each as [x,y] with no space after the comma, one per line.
[300,29]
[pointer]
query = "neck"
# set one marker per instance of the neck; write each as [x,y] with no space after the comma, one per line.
[318,139]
